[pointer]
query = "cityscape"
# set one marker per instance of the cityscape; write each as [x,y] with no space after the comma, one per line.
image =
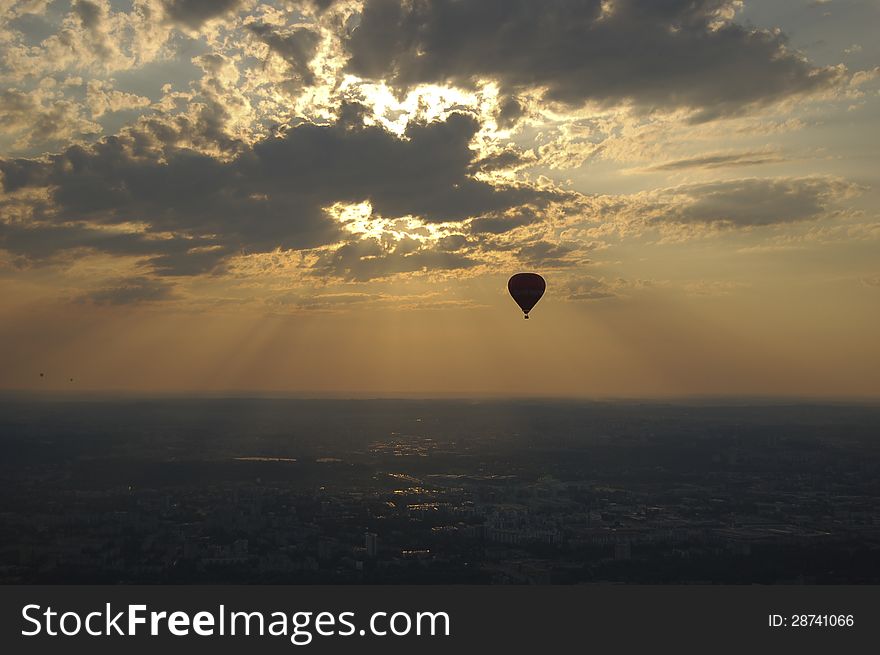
[285,491]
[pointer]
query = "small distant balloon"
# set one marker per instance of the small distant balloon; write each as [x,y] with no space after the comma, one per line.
[42,375]
[71,379]
[526,289]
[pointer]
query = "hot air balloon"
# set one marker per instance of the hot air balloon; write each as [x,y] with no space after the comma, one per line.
[526,289]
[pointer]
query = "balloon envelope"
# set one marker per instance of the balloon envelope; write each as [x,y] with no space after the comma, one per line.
[526,289]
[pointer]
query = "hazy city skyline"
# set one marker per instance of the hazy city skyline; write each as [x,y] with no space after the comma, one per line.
[280,491]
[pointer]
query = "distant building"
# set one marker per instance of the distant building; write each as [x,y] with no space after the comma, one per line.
[372,543]
[325,549]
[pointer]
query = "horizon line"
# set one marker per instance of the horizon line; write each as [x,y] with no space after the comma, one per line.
[239,394]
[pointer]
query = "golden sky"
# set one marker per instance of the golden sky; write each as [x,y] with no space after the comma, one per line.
[328,196]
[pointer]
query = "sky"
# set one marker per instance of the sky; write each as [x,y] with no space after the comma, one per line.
[328,197]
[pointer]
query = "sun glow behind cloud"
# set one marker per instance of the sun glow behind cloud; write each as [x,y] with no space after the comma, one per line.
[358,219]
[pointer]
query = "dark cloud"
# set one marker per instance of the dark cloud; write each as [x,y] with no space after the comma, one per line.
[755,202]
[272,195]
[501,223]
[297,47]
[508,158]
[544,254]
[425,174]
[510,110]
[319,5]
[193,13]
[452,242]
[589,288]
[130,291]
[675,53]
[366,259]
[88,12]
[586,288]
[21,172]
[719,161]
[203,129]
[192,261]
[45,240]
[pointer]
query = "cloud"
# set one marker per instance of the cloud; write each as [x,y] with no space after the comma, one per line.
[501,223]
[673,54]
[15,8]
[754,202]
[589,288]
[543,254]
[505,159]
[102,98]
[194,13]
[320,5]
[198,211]
[452,243]
[130,291]
[42,118]
[93,18]
[752,158]
[696,210]
[45,240]
[368,259]
[296,46]
[86,35]
[324,301]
